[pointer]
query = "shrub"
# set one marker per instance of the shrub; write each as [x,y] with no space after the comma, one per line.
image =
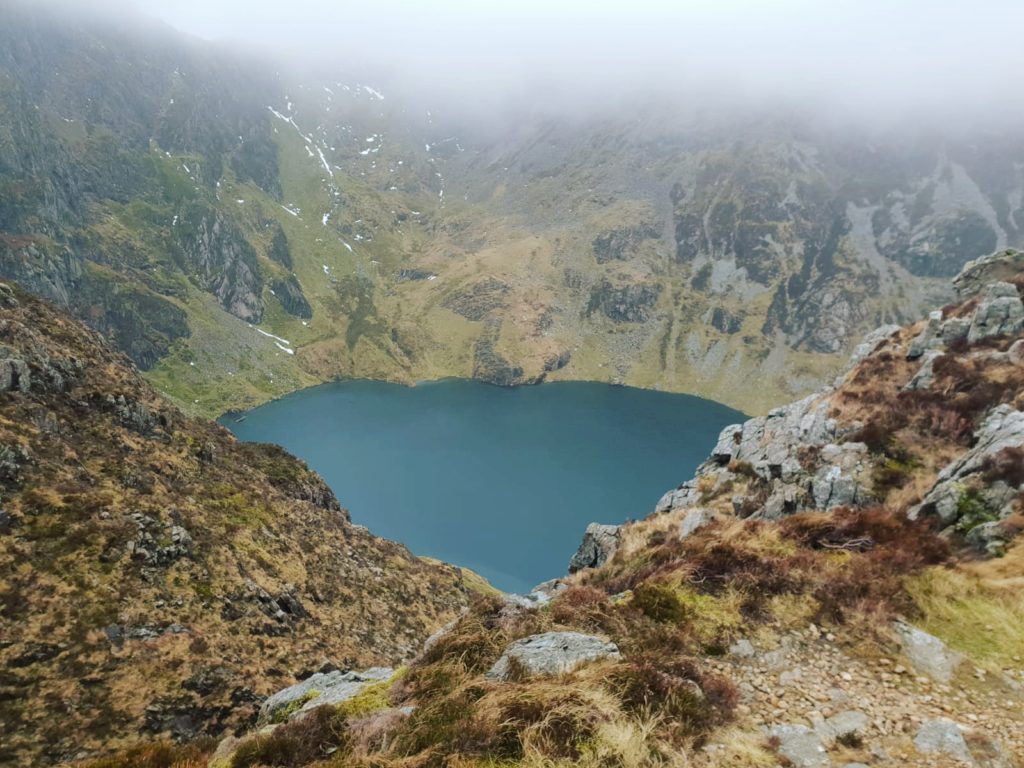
[555,722]
[659,602]
[446,722]
[314,737]
[582,606]
[972,510]
[162,754]
[284,713]
[690,700]
[1007,466]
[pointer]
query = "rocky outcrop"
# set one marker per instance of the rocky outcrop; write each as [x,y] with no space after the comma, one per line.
[318,690]
[14,375]
[978,274]
[620,244]
[293,300]
[1001,313]
[279,249]
[551,653]
[942,736]
[599,543]
[478,300]
[927,653]
[800,746]
[797,457]
[216,252]
[624,304]
[489,365]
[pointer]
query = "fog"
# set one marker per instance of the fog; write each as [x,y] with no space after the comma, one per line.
[875,58]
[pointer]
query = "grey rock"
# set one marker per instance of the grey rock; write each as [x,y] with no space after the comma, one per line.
[728,441]
[872,342]
[15,375]
[293,300]
[550,588]
[320,689]
[1015,354]
[7,297]
[801,746]
[686,495]
[742,648]
[431,641]
[843,477]
[976,275]
[694,520]
[927,653]
[1000,314]
[845,724]
[929,338]
[784,500]
[944,737]
[550,653]
[990,539]
[955,329]
[599,543]
[925,376]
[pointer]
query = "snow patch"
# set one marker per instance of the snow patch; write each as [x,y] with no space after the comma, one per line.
[272,336]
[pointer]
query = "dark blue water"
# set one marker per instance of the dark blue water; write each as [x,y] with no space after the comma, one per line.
[503,481]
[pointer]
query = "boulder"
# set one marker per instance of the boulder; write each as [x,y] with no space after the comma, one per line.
[942,736]
[955,329]
[686,495]
[599,543]
[925,376]
[1001,313]
[929,338]
[800,745]
[843,725]
[742,648]
[979,273]
[990,539]
[927,653]
[318,690]
[550,653]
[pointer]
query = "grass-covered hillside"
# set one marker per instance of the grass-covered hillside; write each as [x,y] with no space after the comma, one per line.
[838,586]
[156,575]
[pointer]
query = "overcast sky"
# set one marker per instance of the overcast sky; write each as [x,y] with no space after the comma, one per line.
[917,54]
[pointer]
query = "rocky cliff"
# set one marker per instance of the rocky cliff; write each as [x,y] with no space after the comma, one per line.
[837,586]
[156,576]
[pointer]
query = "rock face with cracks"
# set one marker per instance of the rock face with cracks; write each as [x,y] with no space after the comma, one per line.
[550,653]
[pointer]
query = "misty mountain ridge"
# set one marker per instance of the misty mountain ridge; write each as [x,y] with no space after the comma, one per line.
[723,252]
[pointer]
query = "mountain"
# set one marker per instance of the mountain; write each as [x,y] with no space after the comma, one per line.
[839,584]
[156,575]
[241,232]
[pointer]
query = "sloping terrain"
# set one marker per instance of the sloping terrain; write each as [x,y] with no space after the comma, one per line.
[158,576]
[839,585]
[181,198]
